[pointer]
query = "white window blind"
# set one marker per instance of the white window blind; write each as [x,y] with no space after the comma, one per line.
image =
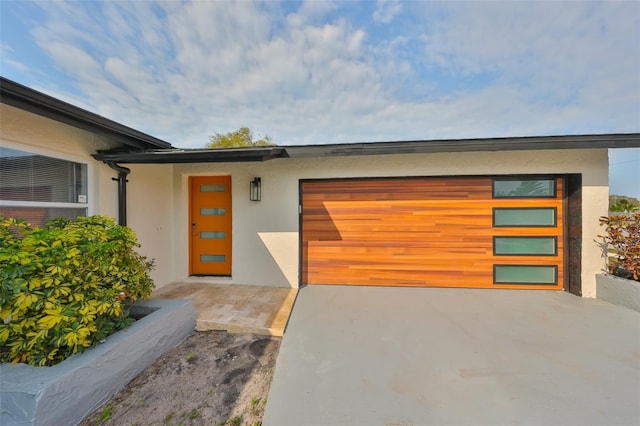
[37,188]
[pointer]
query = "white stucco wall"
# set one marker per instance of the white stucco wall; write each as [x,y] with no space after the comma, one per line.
[265,233]
[149,210]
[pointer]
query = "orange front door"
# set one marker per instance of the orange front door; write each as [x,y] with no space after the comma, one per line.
[210,225]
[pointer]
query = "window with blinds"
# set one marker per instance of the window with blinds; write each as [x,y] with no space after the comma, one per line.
[37,188]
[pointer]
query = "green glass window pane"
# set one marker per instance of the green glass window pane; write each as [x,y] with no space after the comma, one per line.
[212,188]
[524,217]
[212,235]
[212,258]
[524,245]
[519,188]
[213,212]
[525,274]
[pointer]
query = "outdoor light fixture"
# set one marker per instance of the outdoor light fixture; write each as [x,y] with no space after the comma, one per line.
[255,189]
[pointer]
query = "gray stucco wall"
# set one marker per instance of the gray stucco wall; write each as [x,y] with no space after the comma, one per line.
[618,291]
[65,393]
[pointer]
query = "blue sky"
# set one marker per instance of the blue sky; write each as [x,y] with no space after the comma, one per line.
[349,71]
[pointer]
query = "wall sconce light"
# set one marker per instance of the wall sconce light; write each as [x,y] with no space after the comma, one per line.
[255,189]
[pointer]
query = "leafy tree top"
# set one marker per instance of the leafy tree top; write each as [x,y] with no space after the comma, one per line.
[243,137]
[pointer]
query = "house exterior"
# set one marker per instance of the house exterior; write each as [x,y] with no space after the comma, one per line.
[517,213]
[47,168]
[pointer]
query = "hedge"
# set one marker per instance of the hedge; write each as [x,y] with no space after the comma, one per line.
[66,286]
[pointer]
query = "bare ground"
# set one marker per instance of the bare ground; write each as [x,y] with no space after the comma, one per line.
[212,378]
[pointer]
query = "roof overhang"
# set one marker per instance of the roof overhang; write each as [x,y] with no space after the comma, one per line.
[175,156]
[25,98]
[155,156]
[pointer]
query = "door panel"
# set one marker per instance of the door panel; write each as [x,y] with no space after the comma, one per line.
[434,232]
[210,225]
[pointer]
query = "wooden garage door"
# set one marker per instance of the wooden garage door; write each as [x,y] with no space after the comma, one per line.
[486,232]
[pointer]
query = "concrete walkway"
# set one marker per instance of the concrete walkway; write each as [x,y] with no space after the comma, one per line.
[427,356]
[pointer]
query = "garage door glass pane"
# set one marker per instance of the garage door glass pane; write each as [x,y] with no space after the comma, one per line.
[524,188]
[524,274]
[524,217]
[524,245]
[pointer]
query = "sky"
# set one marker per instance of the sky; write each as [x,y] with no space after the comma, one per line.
[344,71]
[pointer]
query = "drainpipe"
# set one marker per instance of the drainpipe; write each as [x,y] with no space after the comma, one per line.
[122,191]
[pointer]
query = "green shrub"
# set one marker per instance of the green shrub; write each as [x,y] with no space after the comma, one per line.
[624,205]
[66,286]
[621,243]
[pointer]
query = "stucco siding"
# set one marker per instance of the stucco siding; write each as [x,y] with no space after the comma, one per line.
[149,210]
[265,233]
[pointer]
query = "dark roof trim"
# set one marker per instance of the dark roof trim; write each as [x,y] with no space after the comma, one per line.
[174,156]
[19,96]
[470,145]
[618,140]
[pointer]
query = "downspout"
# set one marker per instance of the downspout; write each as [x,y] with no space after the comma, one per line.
[122,190]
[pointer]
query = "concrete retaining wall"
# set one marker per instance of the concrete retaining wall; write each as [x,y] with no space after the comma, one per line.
[65,393]
[619,291]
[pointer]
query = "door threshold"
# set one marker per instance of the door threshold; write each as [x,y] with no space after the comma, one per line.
[209,279]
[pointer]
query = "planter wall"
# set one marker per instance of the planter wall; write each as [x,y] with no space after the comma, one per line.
[65,393]
[619,291]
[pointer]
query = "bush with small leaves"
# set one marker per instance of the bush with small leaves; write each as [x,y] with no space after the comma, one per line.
[621,243]
[66,286]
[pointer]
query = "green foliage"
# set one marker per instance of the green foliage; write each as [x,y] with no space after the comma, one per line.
[167,419]
[243,137]
[105,414]
[255,406]
[621,243]
[64,286]
[623,205]
[234,421]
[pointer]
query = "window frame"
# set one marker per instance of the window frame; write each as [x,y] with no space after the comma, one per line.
[89,205]
[554,267]
[538,237]
[523,178]
[555,217]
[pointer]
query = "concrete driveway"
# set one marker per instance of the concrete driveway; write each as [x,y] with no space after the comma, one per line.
[428,356]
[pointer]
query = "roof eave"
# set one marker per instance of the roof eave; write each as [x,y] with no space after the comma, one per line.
[25,98]
[177,156]
[253,154]
[620,140]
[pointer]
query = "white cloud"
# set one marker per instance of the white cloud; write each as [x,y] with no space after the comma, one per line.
[386,10]
[310,12]
[5,52]
[182,71]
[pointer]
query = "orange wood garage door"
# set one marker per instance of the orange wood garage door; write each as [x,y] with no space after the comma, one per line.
[504,232]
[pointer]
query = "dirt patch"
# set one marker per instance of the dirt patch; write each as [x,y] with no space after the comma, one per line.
[212,378]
